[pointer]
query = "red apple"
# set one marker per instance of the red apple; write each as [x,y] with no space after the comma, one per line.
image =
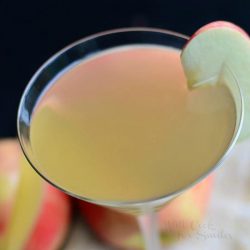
[33,214]
[52,222]
[176,219]
[9,166]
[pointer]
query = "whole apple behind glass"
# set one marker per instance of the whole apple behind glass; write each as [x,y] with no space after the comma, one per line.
[45,223]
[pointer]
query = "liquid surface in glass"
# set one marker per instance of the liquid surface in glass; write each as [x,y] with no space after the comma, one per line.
[123,126]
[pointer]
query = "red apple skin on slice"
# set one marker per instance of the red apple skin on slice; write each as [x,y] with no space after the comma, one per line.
[216,25]
[177,218]
[219,24]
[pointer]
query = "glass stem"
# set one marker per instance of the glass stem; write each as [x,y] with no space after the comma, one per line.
[149,228]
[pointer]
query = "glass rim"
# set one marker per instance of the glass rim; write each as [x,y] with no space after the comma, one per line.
[125,204]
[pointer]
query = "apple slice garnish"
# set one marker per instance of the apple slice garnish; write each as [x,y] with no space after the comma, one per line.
[212,48]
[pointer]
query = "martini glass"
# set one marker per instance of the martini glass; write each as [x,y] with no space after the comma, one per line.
[144,210]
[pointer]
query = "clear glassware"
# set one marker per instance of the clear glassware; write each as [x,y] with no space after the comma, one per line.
[93,44]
